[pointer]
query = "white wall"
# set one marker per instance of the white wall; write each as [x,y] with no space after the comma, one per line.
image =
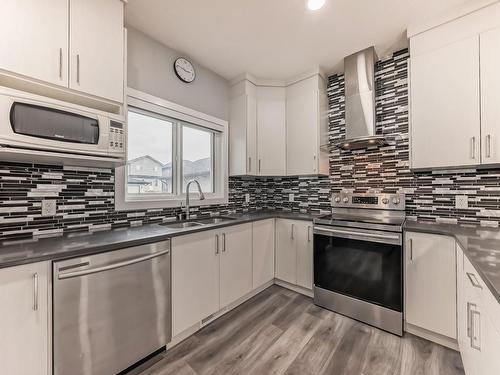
[150,69]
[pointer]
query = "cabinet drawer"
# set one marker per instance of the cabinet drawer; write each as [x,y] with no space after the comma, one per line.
[490,305]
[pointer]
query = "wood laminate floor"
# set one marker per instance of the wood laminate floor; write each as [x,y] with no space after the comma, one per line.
[282,332]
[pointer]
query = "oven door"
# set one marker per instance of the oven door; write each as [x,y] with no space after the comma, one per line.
[359,263]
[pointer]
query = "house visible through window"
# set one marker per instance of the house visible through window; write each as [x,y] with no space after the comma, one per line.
[164,154]
[149,159]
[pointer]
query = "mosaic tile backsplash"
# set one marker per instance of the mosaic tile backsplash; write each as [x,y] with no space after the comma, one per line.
[85,197]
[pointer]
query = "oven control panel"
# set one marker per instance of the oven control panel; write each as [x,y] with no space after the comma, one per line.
[375,201]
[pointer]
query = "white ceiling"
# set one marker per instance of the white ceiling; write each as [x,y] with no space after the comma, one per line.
[278,39]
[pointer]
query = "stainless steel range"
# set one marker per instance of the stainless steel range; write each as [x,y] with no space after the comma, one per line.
[358,259]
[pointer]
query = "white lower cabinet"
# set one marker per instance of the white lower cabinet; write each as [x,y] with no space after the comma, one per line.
[263,252]
[195,279]
[24,320]
[430,286]
[478,336]
[210,270]
[294,257]
[235,263]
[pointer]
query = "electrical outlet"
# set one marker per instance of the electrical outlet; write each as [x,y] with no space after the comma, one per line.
[291,197]
[49,207]
[247,198]
[461,201]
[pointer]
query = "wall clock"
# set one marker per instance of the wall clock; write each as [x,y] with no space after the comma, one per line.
[184,70]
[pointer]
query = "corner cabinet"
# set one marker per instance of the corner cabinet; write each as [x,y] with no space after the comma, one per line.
[279,130]
[71,44]
[24,323]
[430,283]
[294,252]
[454,85]
[306,127]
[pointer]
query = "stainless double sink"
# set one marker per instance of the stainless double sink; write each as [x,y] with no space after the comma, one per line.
[197,222]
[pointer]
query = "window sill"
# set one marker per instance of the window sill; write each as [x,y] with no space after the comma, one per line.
[144,204]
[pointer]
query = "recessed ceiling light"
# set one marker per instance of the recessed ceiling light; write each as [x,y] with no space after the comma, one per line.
[315,4]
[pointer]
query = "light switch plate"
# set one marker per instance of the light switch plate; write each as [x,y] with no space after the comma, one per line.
[247,198]
[49,207]
[291,197]
[461,202]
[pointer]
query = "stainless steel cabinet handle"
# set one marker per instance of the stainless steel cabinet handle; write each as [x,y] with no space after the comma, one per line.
[475,336]
[488,146]
[309,233]
[473,280]
[78,68]
[60,62]
[292,234]
[473,148]
[223,242]
[35,292]
[259,165]
[249,164]
[216,244]
[112,266]
[314,163]
[411,249]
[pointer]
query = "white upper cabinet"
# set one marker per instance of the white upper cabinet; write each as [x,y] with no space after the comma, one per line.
[75,44]
[97,48]
[277,130]
[445,114]
[24,323]
[454,84]
[490,91]
[243,129]
[35,39]
[306,127]
[271,131]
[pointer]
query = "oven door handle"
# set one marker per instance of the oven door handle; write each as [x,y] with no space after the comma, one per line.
[390,238]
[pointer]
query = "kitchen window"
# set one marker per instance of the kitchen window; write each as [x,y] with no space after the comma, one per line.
[168,146]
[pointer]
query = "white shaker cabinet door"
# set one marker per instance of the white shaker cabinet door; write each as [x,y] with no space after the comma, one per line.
[286,251]
[97,48]
[490,89]
[195,279]
[235,263]
[445,114]
[271,131]
[24,329]
[431,283]
[302,125]
[263,252]
[35,39]
[304,254]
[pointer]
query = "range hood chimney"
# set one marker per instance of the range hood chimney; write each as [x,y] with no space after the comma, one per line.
[359,79]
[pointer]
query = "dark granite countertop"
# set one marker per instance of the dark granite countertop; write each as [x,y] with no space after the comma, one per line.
[31,250]
[481,245]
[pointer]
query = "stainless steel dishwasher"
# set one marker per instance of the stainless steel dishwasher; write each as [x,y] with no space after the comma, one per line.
[111,310]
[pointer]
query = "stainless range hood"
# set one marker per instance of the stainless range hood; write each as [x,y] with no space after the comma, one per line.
[359,79]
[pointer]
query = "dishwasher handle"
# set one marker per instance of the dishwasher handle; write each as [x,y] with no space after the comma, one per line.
[67,275]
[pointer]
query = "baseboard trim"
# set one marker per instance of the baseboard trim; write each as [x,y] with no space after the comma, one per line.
[176,340]
[432,336]
[295,288]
